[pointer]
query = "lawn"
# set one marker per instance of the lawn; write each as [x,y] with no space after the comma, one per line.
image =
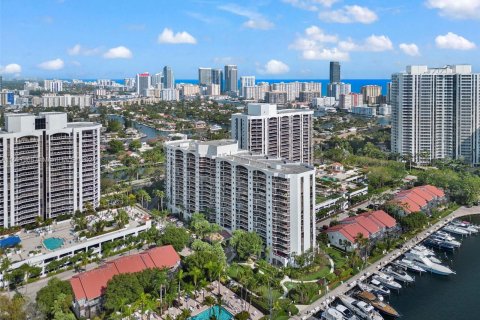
[322,273]
[337,256]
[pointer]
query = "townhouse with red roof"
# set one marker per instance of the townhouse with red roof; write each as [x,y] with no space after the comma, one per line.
[419,199]
[88,287]
[373,225]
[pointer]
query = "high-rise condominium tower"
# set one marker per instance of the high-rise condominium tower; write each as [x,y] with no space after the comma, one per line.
[168,78]
[240,190]
[49,167]
[246,81]
[436,113]
[231,79]
[285,134]
[143,82]
[334,71]
[204,76]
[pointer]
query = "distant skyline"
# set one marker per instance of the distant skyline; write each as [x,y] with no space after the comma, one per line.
[282,39]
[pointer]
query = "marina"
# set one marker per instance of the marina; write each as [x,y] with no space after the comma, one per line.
[381,285]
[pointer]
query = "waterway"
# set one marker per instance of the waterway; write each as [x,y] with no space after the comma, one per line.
[151,133]
[446,298]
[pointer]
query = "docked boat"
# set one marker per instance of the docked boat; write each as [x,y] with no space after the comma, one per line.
[363,310]
[435,242]
[456,230]
[409,265]
[332,314]
[445,241]
[347,313]
[445,235]
[375,287]
[465,225]
[399,274]
[426,253]
[381,306]
[387,281]
[428,264]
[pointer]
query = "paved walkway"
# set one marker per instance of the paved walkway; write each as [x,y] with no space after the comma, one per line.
[324,300]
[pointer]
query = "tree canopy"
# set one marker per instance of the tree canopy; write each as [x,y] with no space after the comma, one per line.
[246,244]
[57,294]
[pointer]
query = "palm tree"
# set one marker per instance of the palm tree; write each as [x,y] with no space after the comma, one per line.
[362,244]
[121,218]
[195,273]
[160,195]
[146,303]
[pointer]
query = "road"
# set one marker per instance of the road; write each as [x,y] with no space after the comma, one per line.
[462,211]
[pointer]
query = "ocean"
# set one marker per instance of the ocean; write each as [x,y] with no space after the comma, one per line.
[446,298]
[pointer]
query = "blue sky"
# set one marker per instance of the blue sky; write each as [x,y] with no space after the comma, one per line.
[267,38]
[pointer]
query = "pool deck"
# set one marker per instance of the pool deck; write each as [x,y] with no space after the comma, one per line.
[231,302]
[33,240]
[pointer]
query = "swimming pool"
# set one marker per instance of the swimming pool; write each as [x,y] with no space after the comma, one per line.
[205,315]
[53,243]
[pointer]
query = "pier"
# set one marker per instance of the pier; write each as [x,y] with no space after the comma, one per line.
[388,258]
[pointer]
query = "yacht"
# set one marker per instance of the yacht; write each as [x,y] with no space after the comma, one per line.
[362,309]
[426,253]
[399,274]
[374,286]
[456,230]
[408,264]
[387,281]
[445,243]
[332,314]
[465,225]
[381,306]
[439,244]
[427,264]
[445,235]
[347,313]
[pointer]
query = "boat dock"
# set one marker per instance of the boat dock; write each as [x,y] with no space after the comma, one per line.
[325,300]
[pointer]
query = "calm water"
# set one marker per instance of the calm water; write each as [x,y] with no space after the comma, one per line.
[446,298]
[150,133]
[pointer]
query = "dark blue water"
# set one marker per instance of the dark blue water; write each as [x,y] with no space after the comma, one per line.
[446,298]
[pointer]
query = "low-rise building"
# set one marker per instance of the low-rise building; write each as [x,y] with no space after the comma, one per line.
[419,199]
[89,287]
[373,225]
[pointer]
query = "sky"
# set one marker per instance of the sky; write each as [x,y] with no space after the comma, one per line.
[271,39]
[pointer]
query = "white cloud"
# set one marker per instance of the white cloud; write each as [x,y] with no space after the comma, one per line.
[11,68]
[410,49]
[349,14]
[255,19]
[78,50]
[55,64]
[326,54]
[310,5]
[168,36]
[315,44]
[119,52]
[453,41]
[274,67]
[456,9]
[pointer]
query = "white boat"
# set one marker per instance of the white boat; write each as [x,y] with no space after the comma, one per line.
[399,274]
[465,225]
[456,230]
[428,264]
[332,314]
[451,242]
[375,287]
[347,313]
[426,253]
[408,264]
[445,235]
[362,309]
[387,281]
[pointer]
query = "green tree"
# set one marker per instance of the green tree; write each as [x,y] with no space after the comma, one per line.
[246,244]
[51,294]
[121,289]
[177,237]
[115,146]
[135,145]
[160,194]
[114,126]
[12,309]
[121,218]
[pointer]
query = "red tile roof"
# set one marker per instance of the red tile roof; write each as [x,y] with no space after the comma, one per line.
[413,200]
[367,223]
[91,284]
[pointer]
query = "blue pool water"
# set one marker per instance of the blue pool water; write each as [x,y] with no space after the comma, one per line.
[53,243]
[205,315]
